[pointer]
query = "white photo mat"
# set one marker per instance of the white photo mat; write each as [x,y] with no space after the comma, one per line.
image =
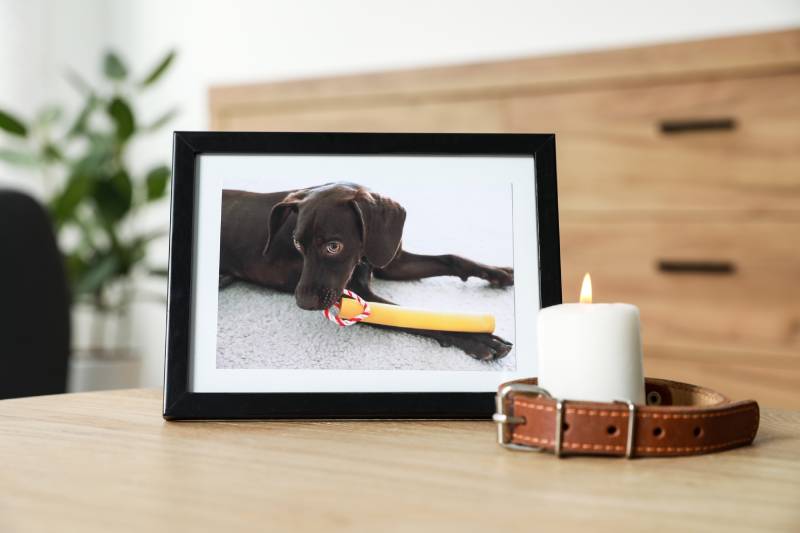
[270,173]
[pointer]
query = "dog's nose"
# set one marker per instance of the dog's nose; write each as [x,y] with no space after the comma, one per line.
[314,299]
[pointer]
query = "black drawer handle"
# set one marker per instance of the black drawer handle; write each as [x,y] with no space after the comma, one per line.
[676,127]
[670,266]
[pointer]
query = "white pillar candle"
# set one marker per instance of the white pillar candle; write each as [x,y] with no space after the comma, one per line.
[591,351]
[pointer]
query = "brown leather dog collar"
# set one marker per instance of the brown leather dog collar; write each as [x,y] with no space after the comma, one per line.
[681,419]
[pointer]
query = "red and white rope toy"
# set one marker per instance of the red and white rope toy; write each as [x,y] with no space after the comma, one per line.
[365,310]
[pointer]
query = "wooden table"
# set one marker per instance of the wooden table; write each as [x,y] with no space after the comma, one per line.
[108,462]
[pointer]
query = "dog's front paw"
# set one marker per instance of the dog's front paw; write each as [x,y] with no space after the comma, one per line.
[480,346]
[499,277]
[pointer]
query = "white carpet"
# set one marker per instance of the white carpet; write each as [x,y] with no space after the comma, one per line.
[262,328]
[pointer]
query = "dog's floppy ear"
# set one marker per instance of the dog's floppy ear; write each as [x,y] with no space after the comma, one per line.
[280,212]
[382,221]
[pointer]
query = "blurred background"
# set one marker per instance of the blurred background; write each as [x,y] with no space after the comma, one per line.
[678,127]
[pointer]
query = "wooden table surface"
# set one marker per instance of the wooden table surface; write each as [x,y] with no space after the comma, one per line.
[107,462]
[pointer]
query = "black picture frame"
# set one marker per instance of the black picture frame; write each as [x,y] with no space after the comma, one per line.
[182,404]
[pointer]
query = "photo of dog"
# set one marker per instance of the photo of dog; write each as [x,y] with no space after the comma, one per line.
[299,249]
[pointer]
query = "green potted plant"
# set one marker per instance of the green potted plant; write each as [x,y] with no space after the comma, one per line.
[94,199]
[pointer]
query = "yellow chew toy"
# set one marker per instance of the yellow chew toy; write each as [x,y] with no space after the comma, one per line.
[406,317]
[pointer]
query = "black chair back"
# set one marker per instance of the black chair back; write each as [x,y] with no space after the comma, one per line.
[34,301]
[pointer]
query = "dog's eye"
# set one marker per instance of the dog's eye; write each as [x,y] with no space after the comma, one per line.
[333,247]
[297,245]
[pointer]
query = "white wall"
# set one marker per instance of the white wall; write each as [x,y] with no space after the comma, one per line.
[251,40]
[38,40]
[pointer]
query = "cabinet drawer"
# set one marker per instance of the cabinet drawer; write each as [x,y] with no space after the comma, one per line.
[751,304]
[725,144]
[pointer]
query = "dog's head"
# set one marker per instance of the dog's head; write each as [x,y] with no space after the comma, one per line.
[338,225]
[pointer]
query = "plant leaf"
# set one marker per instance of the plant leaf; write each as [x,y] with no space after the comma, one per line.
[113,196]
[51,153]
[87,242]
[12,124]
[81,121]
[130,254]
[113,66]
[76,266]
[63,204]
[19,158]
[123,118]
[157,182]
[97,272]
[162,120]
[159,69]
[98,159]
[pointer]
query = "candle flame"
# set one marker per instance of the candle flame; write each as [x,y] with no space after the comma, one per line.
[586,289]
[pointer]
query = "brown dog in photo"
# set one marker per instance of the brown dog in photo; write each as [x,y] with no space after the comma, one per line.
[318,241]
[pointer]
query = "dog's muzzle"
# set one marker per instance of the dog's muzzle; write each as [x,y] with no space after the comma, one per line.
[316,299]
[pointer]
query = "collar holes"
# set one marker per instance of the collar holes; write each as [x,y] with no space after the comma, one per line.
[653,398]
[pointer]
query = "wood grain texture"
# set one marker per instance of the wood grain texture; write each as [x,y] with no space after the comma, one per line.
[107,462]
[761,54]
[771,379]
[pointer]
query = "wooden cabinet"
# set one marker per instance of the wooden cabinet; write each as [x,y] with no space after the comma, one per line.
[679,181]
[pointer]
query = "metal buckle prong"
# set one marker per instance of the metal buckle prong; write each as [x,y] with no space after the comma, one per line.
[629,445]
[559,426]
[504,419]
